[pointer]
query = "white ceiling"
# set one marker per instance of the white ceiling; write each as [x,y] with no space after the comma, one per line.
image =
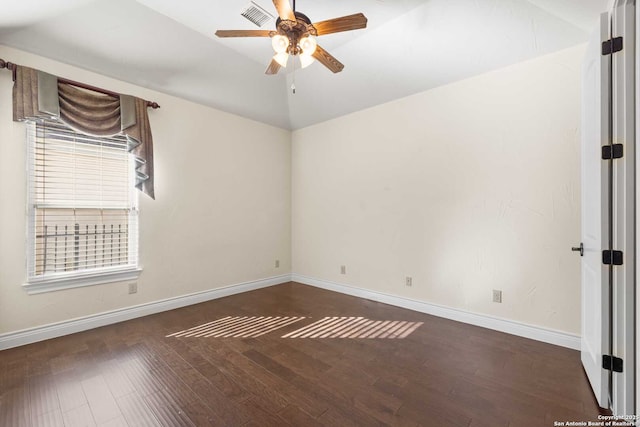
[409,46]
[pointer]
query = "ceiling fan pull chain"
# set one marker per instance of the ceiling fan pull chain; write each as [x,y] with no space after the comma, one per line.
[293,74]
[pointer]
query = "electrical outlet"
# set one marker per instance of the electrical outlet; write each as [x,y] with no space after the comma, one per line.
[277,263]
[497,295]
[408,281]
[133,288]
[343,269]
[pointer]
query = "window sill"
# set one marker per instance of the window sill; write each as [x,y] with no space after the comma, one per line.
[58,282]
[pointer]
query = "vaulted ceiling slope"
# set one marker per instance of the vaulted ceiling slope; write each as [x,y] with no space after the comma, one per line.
[409,46]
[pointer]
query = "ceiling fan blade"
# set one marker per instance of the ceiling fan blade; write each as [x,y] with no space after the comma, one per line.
[273,67]
[327,60]
[345,23]
[284,9]
[244,33]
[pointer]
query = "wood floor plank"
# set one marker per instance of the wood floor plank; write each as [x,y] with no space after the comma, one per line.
[259,417]
[297,417]
[444,374]
[69,362]
[49,419]
[135,411]
[289,392]
[139,373]
[218,405]
[338,416]
[166,410]
[425,400]
[294,356]
[43,395]
[262,394]
[70,392]
[118,382]
[15,407]
[201,408]
[213,372]
[13,374]
[101,402]
[115,422]
[79,417]
[270,365]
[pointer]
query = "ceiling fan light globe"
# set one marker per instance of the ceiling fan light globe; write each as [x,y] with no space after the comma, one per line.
[281,58]
[308,45]
[306,60]
[280,43]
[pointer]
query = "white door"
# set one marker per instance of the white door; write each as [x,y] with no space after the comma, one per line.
[595,212]
[623,221]
[608,210]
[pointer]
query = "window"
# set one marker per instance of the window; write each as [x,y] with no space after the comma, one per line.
[82,208]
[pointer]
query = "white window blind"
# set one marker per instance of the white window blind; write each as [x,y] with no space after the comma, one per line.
[83,215]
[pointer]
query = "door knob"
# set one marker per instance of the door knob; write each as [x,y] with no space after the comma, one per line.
[579,249]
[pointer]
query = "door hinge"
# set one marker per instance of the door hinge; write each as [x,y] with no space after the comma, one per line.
[612,45]
[612,257]
[611,363]
[613,151]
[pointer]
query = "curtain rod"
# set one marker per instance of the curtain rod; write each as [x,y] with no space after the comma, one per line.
[11,66]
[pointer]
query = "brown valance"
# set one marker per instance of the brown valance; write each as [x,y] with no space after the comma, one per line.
[37,95]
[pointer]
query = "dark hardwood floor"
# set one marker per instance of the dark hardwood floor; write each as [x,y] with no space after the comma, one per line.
[443,373]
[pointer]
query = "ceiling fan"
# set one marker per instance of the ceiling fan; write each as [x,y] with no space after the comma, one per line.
[295,36]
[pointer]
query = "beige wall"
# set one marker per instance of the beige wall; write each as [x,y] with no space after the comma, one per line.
[467,188]
[221,214]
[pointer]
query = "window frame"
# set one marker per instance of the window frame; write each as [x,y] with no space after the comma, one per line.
[84,277]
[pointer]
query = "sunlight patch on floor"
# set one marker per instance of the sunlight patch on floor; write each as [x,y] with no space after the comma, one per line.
[327,327]
[238,327]
[355,327]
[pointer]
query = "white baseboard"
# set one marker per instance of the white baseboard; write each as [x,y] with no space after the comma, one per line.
[53,330]
[503,325]
[40,333]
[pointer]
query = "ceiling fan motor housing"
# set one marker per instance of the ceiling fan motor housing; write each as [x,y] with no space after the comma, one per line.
[295,30]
